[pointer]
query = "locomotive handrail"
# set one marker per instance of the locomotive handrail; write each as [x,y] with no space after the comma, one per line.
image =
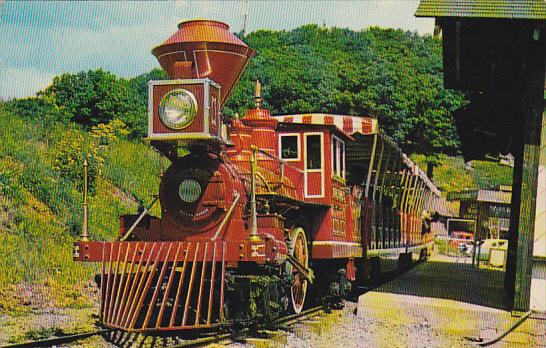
[227,216]
[253,208]
[255,170]
[262,178]
[281,161]
[137,221]
[253,175]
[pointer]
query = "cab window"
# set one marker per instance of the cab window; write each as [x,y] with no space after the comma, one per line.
[289,147]
[338,157]
[313,154]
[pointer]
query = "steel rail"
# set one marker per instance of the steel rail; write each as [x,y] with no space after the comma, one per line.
[48,342]
[293,318]
[279,323]
[246,332]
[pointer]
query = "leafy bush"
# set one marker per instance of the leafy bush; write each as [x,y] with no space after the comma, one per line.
[69,160]
[91,97]
[105,133]
[40,205]
[42,109]
[451,175]
[98,97]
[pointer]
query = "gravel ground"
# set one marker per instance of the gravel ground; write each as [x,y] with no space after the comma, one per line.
[439,303]
[397,331]
[349,330]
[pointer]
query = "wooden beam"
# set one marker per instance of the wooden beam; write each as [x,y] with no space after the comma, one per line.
[525,182]
[370,166]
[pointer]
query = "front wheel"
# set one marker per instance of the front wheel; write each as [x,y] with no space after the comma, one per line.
[298,289]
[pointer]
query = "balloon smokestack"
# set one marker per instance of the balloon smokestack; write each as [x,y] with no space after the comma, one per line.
[205,49]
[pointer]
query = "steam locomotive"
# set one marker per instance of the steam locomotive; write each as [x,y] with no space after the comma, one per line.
[258,214]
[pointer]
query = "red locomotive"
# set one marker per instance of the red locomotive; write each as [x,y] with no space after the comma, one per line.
[262,211]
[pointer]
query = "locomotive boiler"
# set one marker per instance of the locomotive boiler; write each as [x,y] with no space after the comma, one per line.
[258,214]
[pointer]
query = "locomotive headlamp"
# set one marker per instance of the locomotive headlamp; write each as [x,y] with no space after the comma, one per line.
[177,109]
[189,190]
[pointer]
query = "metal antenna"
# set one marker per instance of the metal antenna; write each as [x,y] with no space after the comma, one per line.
[245,15]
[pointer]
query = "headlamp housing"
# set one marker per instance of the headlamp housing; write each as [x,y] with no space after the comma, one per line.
[177,109]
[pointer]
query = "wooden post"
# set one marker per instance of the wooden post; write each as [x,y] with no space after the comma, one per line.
[370,213]
[384,228]
[377,206]
[525,182]
[538,276]
[370,166]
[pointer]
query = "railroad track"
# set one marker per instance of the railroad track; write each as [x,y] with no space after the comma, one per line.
[49,342]
[283,323]
[225,338]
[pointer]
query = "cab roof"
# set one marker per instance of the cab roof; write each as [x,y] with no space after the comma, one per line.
[344,124]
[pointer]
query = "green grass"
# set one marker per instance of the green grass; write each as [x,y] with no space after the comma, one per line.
[40,210]
[133,168]
[38,334]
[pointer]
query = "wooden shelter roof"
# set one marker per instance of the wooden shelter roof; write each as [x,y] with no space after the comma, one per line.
[487,196]
[503,9]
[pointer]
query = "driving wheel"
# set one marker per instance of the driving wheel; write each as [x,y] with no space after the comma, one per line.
[299,251]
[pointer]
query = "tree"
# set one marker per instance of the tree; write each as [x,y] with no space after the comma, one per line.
[98,96]
[140,84]
[389,74]
[393,75]
[92,97]
[43,109]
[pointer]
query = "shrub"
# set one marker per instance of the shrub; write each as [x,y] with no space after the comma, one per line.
[70,157]
[42,109]
[92,97]
[105,133]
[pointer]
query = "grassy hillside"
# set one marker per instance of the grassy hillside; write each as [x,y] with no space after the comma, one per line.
[40,206]
[451,175]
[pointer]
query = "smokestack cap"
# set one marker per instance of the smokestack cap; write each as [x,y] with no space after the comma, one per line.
[204,48]
[198,30]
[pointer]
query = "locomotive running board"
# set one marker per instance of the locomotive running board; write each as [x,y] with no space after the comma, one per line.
[159,286]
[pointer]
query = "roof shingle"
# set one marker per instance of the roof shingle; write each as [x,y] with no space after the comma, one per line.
[507,9]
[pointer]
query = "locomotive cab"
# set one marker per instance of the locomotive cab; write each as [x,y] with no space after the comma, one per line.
[318,145]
